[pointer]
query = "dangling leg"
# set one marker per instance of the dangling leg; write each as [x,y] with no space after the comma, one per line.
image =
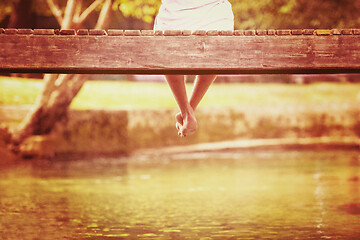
[187,123]
[201,85]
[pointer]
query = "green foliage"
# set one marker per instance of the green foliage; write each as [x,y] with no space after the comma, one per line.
[144,10]
[276,14]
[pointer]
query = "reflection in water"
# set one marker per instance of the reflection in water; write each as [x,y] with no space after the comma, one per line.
[246,195]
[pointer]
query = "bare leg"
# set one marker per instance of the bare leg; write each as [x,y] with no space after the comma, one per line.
[177,86]
[201,85]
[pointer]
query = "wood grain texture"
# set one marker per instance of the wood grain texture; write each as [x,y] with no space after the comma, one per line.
[185,54]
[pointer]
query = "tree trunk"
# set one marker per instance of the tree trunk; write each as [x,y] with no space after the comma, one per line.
[52,105]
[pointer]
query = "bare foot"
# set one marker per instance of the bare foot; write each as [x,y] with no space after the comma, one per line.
[179,121]
[186,125]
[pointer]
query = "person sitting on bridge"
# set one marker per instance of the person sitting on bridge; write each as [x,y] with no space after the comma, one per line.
[192,15]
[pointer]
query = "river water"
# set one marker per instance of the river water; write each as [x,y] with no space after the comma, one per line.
[229,195]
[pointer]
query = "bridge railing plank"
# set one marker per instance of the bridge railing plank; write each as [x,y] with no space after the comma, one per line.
[180,52]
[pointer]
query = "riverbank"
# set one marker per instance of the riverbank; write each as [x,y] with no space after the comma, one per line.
[110,118]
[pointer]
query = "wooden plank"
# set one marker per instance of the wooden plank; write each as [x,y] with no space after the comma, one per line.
[82,32]
[308,31]
[10,31]
[271,32]
[172,33]
[44,32]
[283,32]
[25,31]
[132,33]
[199,33]
[239,32]
[116,32]
[336,31]
[67,32]
[226,33]
[323,32]
[296,31]
[147,32]
[261,32]
[213,33]
[249,32]
[158,33]
[186,32]
[97,32]
[347,31]
[180,54]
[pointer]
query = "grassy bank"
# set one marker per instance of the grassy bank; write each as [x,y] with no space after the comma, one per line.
[140,95]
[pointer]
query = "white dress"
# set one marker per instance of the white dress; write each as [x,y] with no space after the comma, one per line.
[195,15]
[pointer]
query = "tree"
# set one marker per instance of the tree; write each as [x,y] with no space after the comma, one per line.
[59,90]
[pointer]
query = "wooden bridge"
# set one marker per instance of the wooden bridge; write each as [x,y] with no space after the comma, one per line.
[180,52]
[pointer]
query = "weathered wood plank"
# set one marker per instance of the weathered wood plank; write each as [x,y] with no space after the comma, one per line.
[185,54]
[25,31]
[115,32]
[261,32]
[44,32]
[82,32]
[97,32]
[67,32]
[11,31]
[296,31]
[132,33]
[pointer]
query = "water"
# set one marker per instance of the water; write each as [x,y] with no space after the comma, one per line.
[246,195]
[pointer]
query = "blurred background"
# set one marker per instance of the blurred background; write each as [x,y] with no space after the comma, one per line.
[275,157]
